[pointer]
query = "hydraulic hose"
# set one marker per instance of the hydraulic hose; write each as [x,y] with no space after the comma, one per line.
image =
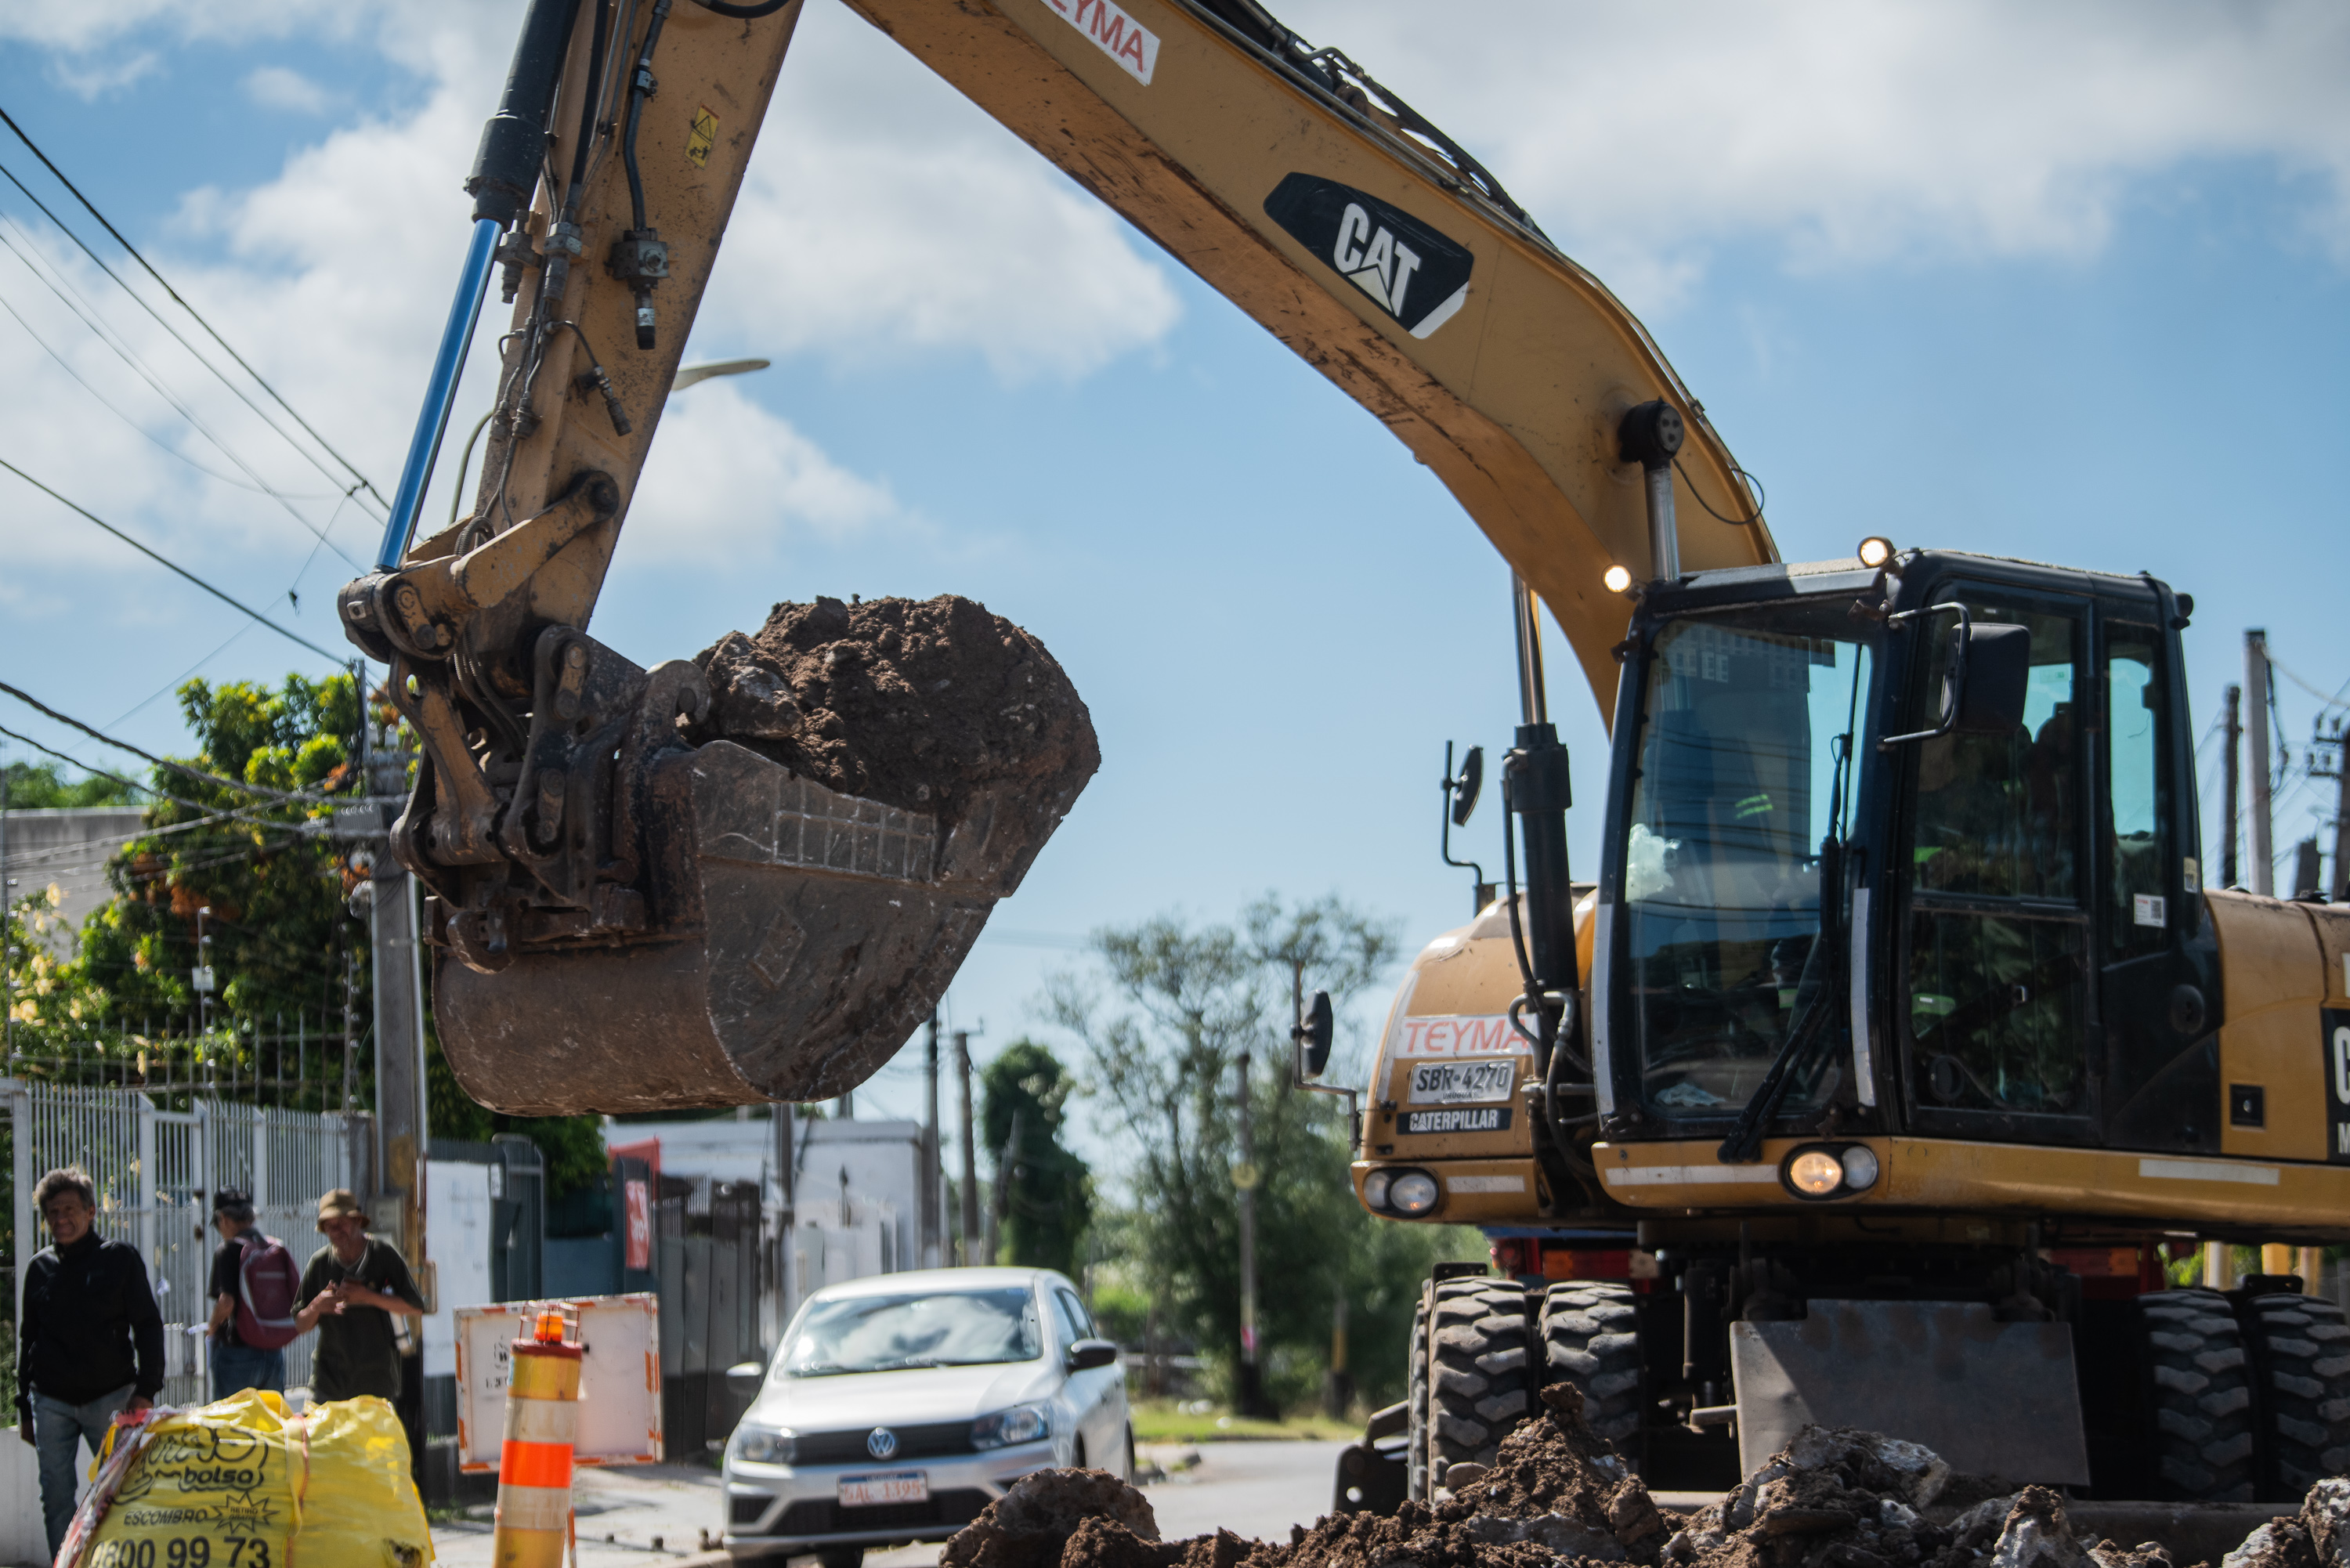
[640,88]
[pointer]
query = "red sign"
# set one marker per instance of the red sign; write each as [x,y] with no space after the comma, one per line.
[640,1220]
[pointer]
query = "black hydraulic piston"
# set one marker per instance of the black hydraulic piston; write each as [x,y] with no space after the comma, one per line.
[1534,789]
[513,142]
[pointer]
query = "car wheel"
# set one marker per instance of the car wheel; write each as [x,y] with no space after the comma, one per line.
[1479,1384]
[1077,1453]
[2198,1386]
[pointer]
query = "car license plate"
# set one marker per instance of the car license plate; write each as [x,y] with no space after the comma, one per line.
[888,1486]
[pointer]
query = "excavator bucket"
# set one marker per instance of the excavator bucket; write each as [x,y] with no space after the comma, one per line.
[803,834]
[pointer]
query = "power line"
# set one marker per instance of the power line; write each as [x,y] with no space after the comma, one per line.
[219,815]
[264,791]
[89,207]
[225,598]
[87,313]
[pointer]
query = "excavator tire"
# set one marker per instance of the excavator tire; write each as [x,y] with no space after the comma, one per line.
[1479,1384]
[2301,1354]
[1591,1337]
[2199,1387]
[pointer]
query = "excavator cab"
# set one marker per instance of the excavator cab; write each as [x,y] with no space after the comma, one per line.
[1909,846]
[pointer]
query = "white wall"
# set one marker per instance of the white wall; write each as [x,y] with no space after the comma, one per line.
[23,1540]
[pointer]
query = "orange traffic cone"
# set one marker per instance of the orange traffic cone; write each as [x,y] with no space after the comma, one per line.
[535,1465]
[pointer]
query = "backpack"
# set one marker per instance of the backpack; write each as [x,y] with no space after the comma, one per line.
[268,1282]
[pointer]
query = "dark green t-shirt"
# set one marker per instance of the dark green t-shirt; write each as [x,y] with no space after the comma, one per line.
[357,1351]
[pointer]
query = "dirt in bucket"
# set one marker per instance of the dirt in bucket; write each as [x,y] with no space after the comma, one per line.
[926,704]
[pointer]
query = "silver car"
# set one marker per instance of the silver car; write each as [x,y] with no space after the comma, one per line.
[900,1406]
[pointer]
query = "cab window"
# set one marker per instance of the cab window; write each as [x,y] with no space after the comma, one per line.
[2137,841]
[1996,938]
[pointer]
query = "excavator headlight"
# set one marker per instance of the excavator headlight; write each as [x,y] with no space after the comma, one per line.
[1814,1173]
[1375,1188]
[1617,579]
[1817,1172]
[1874,550]
[1413,1193]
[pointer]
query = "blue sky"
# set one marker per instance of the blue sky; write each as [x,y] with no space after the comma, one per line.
[2066,286]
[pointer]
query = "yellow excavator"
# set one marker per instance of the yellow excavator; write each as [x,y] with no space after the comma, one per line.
[1894,1037]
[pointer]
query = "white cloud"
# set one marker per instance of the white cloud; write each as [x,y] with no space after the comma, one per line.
[1847,132]
[274,86]
[728,480]
[93,79]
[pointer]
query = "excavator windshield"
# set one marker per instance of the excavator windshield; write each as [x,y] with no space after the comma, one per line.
[1745,766]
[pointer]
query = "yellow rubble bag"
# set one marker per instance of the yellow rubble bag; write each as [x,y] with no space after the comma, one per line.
[241,1483]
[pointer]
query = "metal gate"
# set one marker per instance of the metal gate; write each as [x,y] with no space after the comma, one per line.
[154,1171]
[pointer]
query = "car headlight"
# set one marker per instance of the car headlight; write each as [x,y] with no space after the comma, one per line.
[1815,1173]
[755,1445]
[1860,1167]
[1375,1188]
[1413,1193]
[1021,1423]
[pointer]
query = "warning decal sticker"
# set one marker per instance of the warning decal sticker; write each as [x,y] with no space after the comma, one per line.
[1114,33]
[1419,276]
[701,137]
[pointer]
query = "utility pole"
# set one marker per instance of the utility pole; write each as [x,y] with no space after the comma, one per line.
[2256,701]
[970,1154]
[1245,1180]
[2341,891]
[398,975]
[787,1216]
[933,1249]
[2231,811]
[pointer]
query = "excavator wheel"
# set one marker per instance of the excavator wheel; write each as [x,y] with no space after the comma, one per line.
[2301,1355]
[1479,1384]
[2199,1387]
[1590,1333]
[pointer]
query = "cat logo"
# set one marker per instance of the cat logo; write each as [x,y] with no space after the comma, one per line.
[1419,276]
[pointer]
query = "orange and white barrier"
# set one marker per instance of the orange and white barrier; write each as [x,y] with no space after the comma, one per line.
[535,1464]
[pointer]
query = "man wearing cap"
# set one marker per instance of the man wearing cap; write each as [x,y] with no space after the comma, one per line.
[91,1339]
[356,1281]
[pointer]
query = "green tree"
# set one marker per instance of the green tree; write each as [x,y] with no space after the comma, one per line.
[1045,1191]
[36,786]
[1168,1020]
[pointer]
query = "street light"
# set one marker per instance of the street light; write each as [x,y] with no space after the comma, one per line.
[687,375]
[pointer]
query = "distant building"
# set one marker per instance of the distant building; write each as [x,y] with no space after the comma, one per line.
[67,848]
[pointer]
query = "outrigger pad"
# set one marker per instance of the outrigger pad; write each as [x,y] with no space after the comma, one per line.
[802,932]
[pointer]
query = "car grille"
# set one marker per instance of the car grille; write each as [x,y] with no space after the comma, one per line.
[747,1510]
[913,1443]
[823,1516]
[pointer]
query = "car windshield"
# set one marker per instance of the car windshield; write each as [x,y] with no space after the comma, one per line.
[889,1334]
[1745,752]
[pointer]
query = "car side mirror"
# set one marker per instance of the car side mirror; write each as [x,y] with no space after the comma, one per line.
[1087,1354]
[1998,668]
[1465,785]
[1312,1035]
[744,1378]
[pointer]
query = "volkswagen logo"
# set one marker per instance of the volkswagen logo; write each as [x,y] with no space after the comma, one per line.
[881,1442]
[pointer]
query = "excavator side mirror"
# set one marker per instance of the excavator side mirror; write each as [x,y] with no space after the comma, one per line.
[1997,670]
[1466,784]
[1312,1035]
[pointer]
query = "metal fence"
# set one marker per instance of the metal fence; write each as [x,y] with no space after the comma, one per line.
[154,1170]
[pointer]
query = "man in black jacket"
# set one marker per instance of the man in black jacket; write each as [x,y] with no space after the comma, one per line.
[91,1342]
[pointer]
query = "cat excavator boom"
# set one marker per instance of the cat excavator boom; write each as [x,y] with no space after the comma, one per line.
[633,910]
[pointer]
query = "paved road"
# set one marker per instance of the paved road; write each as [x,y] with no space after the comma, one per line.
[1253,1489]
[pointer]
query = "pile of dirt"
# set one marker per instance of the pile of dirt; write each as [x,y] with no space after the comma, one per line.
[919,703]
[2317,1537]
[1557,1493]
